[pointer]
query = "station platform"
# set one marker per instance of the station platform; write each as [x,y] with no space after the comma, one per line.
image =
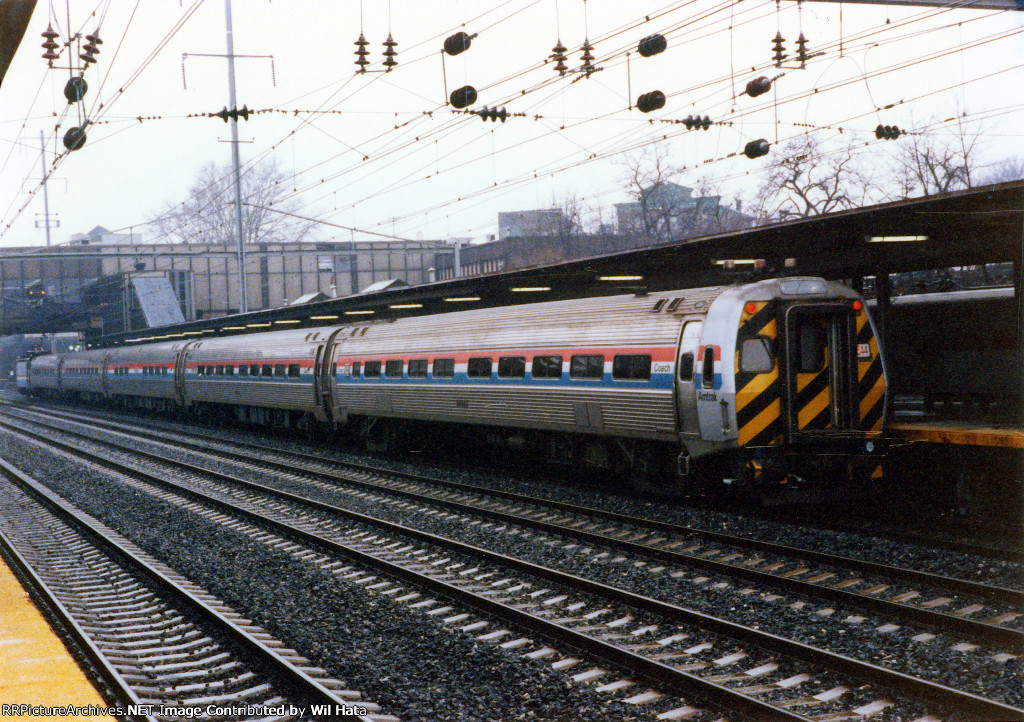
[35,667]
[958,432]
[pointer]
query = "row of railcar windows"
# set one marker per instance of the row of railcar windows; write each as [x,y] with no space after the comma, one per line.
[635,367]
[251,370]
[146,371]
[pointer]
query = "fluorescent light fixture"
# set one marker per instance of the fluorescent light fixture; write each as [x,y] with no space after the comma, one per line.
[207,330]
[257,325]
[191,333]
[462,299]
[896,239]
[233,328]
[357,313]
[322,318]
[620,278]
[737,261]
[289,320]
[530,289]
[406,305]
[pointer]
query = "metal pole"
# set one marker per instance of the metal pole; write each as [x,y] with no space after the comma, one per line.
[243,305]
[1018,290]
[46,196]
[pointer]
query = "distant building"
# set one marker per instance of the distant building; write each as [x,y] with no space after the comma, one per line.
[99,235]
[548,223]
[670,212]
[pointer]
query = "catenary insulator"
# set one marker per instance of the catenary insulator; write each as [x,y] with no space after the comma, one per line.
[587,56]
[361,53]
[389,53]
[801,50]
[50,34]
[463,97]
[457,43]
[87,58]
[91,49]
[94,38]
[651,101]
[74,138]
[756,148]
[558,55]
[75,89]
[779,55]
[888,132]
[758,86]
[493,114]
[652,45]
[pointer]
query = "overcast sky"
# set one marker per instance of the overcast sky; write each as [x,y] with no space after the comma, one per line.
[390,157]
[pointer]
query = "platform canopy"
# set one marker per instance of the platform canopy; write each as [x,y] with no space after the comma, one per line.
[981,225]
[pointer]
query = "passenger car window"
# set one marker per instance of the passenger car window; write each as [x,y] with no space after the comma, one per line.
[418,368]
[632,367]
[357,366]
[293,371]
[254,369]
[393,368]
[372,369]
[279,370]
[444,368]
[243,370]
[590,366]
[547,367]
[479,368]
[686,367]
[707,373]
[200,370]
[813,341]
[512,367]
[219,370]
[267,370]
[756,356]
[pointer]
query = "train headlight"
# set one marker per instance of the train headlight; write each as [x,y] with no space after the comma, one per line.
[870,446]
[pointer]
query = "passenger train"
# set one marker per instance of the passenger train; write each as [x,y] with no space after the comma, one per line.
[776,381]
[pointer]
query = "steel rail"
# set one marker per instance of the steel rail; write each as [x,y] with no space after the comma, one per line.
[57,614]
[282,671]
[963,702]
[1006,637]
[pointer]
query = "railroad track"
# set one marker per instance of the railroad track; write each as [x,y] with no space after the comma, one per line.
[156,641]
[668,647]
[962,607]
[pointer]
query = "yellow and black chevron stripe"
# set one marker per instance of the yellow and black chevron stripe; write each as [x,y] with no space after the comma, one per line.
[758,396]
[870,379]
[813,401]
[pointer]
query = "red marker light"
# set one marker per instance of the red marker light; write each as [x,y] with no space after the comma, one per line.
[751,308]
[857,305]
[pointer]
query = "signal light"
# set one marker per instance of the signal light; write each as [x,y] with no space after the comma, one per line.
[758,86]
[652,45]
[777,45]
[74,138]
[463,97]
[75,89]
[751,307]
[653,100]
[696,122]
[493,114]
[857,305]
[756,148]
[888,132]
[361,53]
[389,53]
[457,43]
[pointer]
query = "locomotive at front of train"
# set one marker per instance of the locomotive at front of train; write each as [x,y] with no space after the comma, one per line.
[789,373]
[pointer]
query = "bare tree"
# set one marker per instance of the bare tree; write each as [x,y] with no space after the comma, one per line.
[649,177]
[207,215]
[809,178]
[937,162]
[1008,169]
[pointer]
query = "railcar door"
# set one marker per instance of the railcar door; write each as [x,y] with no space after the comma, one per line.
[820,369]
[686,391]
